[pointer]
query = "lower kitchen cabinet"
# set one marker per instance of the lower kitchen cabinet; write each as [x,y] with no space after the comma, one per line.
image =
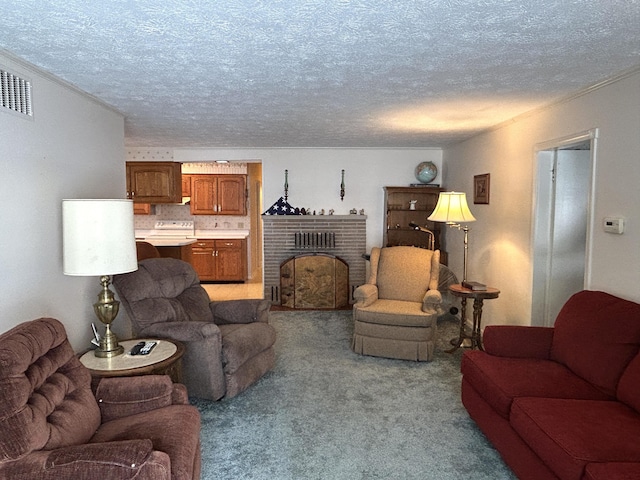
[203,258]
[181,253]
[220,259]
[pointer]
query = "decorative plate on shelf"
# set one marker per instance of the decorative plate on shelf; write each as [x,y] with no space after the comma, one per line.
[426,172]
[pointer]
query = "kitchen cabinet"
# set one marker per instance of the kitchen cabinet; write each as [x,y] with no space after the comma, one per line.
[218,194]
[143,209]
[180,252]
[186,185]
[154,182]
[412,204]
[220,259]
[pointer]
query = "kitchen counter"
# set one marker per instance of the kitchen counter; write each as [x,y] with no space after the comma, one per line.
[168,242]
[147,236]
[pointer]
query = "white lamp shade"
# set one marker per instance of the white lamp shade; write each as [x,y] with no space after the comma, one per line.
[98,237]
[452,208]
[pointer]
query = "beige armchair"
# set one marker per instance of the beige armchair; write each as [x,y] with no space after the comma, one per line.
[396,311]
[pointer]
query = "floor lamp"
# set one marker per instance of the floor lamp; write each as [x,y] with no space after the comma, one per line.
[99,240]
[453,210]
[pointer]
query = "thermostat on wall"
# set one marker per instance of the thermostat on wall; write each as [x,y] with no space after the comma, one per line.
[613,224]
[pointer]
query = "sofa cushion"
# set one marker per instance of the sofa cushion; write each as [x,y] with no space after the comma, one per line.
[129,460]
[569,434]
[518,341]
[174,430]
[117,399]
[596,335]
[501,379]
[45,392]
[397,313]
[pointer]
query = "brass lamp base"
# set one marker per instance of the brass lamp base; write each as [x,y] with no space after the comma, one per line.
[108,346]
[109,353]
[106,309]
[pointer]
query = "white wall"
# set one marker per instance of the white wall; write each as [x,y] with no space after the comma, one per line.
[315,175]
[73,147]
[500,251]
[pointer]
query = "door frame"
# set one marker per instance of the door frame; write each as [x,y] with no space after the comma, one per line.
[539,312]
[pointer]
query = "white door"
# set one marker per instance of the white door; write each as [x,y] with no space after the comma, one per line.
[561,227]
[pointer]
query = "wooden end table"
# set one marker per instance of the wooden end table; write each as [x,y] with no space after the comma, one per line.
[164,359]
[479,296]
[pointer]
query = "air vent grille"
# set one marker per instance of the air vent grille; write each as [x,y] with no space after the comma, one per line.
[315,240]
[15,93]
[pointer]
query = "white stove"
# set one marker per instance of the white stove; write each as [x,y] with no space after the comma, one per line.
[172,233]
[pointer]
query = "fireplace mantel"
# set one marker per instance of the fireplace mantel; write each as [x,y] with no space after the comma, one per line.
[304,218]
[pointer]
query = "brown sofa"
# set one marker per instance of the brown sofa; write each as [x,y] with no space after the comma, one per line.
[53,427]
[229,344]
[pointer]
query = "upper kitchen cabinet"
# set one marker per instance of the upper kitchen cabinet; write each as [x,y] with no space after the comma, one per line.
[154,182]
[218,194]
[186,185]
[143,209]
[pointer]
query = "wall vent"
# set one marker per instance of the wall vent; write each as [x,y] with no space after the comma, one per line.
[15,93]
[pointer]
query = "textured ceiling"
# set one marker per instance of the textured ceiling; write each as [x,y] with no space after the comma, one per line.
[323,73]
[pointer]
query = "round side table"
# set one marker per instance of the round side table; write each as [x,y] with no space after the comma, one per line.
[164,359]
[479,296]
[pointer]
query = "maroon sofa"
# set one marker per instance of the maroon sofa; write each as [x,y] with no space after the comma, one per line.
[562,402]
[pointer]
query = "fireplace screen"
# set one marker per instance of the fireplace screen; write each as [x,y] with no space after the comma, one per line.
[314,280]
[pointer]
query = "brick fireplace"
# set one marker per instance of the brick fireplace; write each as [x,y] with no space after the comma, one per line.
[287,236]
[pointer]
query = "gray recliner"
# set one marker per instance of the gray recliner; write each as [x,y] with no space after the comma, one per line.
[229,344]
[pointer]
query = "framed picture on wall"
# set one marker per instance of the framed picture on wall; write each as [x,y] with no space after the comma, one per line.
[481,188]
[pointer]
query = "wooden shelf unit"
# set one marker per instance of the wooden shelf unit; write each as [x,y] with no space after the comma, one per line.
[399,214]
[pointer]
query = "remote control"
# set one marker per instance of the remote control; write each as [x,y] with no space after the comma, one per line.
[136,348]
[146,350]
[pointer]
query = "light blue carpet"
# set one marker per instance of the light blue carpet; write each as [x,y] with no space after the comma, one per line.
[327,413]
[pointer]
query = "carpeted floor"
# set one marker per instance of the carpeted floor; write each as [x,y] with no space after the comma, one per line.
[327,413]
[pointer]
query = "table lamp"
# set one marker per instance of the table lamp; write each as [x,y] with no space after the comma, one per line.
[99,240]
[453,210]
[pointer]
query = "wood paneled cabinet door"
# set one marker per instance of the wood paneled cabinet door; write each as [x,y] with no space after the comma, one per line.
[142,208]
[204,195]
[186,185]
[231,260]
[218,194]
[202,259]
[154,182]
[220,260]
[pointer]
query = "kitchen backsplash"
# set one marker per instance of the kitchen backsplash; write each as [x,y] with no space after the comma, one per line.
[182,212]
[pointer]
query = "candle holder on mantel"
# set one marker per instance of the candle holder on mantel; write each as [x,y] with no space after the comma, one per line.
[286,184]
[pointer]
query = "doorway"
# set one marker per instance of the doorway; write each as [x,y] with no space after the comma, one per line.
[562,223]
